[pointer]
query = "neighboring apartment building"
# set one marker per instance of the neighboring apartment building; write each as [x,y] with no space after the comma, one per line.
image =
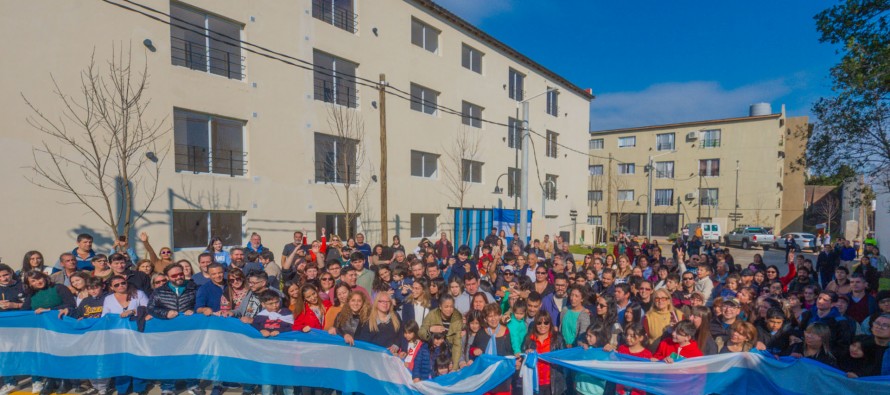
[695,177]
[250,144]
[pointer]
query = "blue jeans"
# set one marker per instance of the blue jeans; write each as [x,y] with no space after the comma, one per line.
[268,390]
[170,385]
[122,384]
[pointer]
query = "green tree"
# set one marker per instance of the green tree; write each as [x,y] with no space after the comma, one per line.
[852,126]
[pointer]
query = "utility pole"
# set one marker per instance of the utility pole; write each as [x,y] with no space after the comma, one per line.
[649,201]
[609,199]
[384,226]
[735,214]
[523,183]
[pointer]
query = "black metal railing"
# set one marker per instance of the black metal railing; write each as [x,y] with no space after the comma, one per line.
[198,159]
[342,17]
[197,56]
[338,90]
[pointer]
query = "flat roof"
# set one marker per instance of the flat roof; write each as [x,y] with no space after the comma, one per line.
[686,124]
[487,38]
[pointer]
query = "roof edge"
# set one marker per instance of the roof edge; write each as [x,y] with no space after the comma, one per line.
[487,38]
[691,123]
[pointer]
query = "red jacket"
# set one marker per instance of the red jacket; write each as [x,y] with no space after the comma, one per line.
[668,347]
[308,318]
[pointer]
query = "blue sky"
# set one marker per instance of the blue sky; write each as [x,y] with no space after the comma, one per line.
[654,62]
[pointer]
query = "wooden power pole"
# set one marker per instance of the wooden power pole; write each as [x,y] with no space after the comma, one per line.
[609,199]
[384,215]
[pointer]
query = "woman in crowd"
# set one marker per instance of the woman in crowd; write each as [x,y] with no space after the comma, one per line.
[606,314]
[382,280]
[326,288]
[494,339]
[437,291]
[220,255]
[700,316]
[574,318]
[382,327]
[33,260]
[235,291]
[397,244]
[741,338]
[351,316]
[883,300]
[544,338]
[340,301]
[144,266]
[100,267]
[816,344]
[158,262]
[42,296]
[661,316]
[78,286]
[124,301]
[158,280]
[309,310]
[378,256]
[624,270]
[446,320]
[479,301]
[759,283]
[187,269]
[417,305]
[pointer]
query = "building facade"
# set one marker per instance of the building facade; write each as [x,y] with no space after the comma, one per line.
[247,91]
[736,171]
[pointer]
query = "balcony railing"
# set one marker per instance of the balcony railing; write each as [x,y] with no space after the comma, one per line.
[665,146]
[338,16]
[198,159]
[336,91]
[711,143]
[664,202]
[196,56]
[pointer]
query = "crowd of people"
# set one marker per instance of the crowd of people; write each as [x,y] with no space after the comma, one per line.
[439,308]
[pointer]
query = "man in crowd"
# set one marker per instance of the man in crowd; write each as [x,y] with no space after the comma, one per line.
[554,302]
[168,302]
[290,247]
[209,296]
[622,300]
[350,277]
[463,302]
[204,261]
[257,283]
[862,304]
[361,246]
[443,247]
[68,262]
[135,278]
[256,243]
[365,278]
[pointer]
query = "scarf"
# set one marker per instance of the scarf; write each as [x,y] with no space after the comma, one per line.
[492,347]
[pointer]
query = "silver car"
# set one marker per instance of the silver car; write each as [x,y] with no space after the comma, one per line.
[806,241]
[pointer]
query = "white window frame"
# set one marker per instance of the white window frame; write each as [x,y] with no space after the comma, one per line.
[424,39]
[595,195]
[420,96]
[516,85]
[552,101]
[709,168]
[710,138]
[471,114]
[596,144]
[706,194]
[551,186]
[627,168]
[622,142]
[473,53]
[551,150]
[623,195]
[514,133]
[417,232]
[664,173]
[467,171]
[596,170]
[595,220]
[664,147]
[660,201]
[426,159]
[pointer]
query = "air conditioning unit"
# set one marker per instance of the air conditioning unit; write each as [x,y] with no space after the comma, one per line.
[690,196]
[691,136]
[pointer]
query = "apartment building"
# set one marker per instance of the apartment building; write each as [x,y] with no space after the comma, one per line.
[247,90]
[734,171]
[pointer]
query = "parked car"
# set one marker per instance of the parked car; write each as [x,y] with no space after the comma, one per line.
[709,230]
[750,237]
[806,241]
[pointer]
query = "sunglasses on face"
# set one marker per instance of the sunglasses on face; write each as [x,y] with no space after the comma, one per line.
[115,285]
[178,275]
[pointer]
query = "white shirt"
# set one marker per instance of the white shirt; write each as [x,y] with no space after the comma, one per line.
[111,306]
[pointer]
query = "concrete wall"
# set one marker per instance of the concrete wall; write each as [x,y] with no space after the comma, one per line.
[279,194]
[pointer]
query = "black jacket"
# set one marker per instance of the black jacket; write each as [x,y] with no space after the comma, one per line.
[13,292]
[164,300]
[557,373]
[140,281]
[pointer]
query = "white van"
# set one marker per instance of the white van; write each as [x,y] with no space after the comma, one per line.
[708,231]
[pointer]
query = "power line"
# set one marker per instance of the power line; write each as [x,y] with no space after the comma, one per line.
[317,68]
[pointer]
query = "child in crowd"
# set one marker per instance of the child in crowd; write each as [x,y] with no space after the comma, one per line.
[596,338]
[91,306]
[731,288]
[443,365]
[634,345]
[399,288]
[417,355]
[271,321]
[438,346]
[679,346]
[515,319]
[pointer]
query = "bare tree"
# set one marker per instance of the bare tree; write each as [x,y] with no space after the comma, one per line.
[759,218]
[103,150]
[828,210]
[462,156]
[344,158]
[620,215]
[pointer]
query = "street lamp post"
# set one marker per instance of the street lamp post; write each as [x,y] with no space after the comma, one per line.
[523,187]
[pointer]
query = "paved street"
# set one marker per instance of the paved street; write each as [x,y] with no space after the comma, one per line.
[771,257]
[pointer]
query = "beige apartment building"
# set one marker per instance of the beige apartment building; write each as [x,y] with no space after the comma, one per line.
[249,146]
[735,171]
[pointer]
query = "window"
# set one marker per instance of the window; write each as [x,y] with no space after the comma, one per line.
[335,159]
[552,143]
[626,142]
[627,168]
[664,197]
[423,225]
[424,164]
[664,169]
[335,224]
[193,229]
[208,144]
[553,101]
[595,220]
[471,114]
[424,99]
[626,195]
[335,80]
[709,167]
[595,170]
[550,186]
[424,36]
[710,138]
[472,171]
[709,196]
[205,48]
[517,85]
[514,181]
[339,13]
[664,142]
[596,144]
[595,196]
[514,133]
[471,58]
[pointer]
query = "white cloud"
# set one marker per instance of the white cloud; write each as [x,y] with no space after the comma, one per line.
[475,11]
[681,102]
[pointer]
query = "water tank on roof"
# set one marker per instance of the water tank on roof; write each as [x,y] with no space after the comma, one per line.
[758,109]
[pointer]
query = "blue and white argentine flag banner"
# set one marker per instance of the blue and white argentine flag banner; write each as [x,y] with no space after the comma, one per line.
[221,349]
